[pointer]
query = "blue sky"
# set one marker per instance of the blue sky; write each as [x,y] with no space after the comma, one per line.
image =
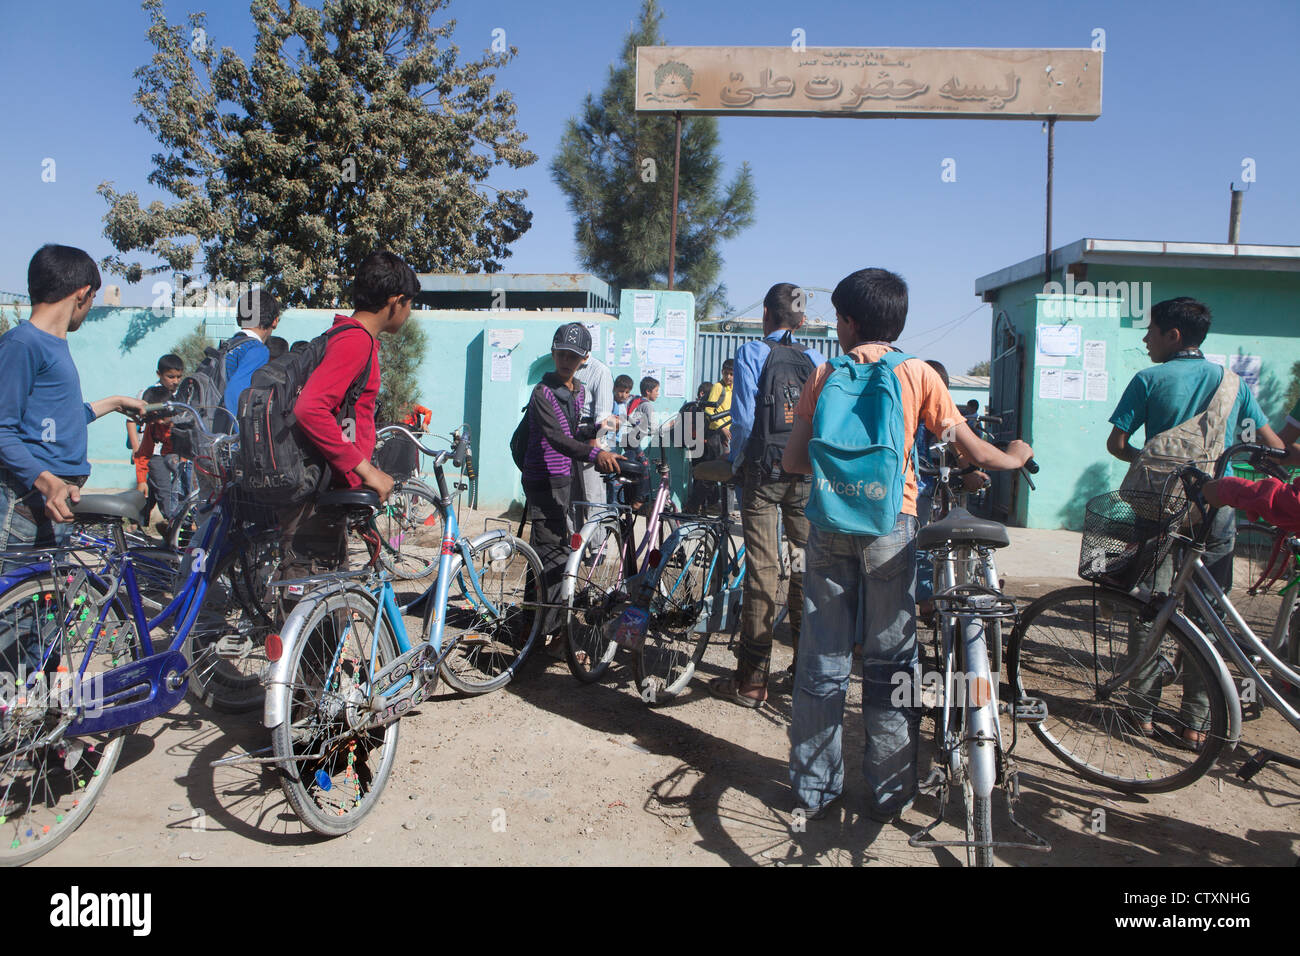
[1190,89]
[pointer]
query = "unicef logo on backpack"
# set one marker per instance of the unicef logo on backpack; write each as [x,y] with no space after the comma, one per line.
[853,489]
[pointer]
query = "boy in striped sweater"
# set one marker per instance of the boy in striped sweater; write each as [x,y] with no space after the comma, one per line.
[556,440]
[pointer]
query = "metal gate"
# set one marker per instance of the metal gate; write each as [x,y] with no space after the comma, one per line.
[713,348]
[1006,394]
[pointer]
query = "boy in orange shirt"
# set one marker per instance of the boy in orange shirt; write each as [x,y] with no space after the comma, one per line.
[860,589]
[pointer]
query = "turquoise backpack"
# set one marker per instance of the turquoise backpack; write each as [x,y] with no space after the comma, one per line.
[857,450]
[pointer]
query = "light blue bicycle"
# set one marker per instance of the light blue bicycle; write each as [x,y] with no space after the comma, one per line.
[345,670]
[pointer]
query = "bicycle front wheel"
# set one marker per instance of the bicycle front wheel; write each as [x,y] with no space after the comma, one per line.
[595,602]
[50,784]
[672,647]
[498,628]
[1071,642]
[410,532]
[1254,562]
[333,774]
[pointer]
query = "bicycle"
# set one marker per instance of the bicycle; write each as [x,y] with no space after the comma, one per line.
[344,670]
[604,569]
[79,664]
[1267,561]
[1125,677]
[963,693]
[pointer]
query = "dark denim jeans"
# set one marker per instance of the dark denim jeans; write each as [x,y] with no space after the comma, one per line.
[857,590]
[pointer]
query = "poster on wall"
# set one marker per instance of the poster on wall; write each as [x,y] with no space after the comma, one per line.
[1096,385]
[675,323]
[610,349]
[643,337]
[1094,355]
[1049,383]
[643,308]
[1249,368]
[499,339]
[666,351]
[501,366]
[1072,385]
[625,355]
[1059,339]
[675,383]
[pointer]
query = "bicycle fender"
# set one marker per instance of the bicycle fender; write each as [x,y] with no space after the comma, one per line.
[276,709]
[1230,691]
[19,575]
[569,582]
[981,720]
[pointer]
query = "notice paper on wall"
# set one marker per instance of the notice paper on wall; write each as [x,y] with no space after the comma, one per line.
[1049,383]
[675,383]
[643,337]
[643,308]
[1094,355]
[650,371]
[666,351]
[1095,387]
[1072,385]
[1059,339]
[675,323]
[1248,367]
[504,338]
[611,349]
[625,355]
[501,366]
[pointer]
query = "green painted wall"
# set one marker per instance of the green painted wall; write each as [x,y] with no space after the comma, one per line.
[117,350]
[1255,313]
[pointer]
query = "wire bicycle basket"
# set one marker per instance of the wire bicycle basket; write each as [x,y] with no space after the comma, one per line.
[1126,534]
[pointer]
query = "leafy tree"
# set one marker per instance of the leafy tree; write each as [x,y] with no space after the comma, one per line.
[979,368]
[399,359]
[190,349]
[354,126]
[1293,390]
[622,220]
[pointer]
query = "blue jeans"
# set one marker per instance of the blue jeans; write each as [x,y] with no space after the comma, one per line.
[19,639]
[857,590]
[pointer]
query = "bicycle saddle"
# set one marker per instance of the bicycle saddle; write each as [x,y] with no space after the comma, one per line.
[717,469]
[627,469]
[128,505]
[360,499]
[962,527]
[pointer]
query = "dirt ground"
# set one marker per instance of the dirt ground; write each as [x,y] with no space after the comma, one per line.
[552,771]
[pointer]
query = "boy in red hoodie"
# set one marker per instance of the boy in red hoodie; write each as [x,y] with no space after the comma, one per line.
[382,294]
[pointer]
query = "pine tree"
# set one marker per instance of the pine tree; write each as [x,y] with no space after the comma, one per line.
[399,359]
[190,349]
[623,205]
[353,127]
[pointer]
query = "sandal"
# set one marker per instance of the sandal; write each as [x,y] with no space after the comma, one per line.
[726,688]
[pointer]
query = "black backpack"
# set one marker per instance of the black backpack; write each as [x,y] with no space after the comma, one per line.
[519,440]
[779,386]
[278,463]
[205,390]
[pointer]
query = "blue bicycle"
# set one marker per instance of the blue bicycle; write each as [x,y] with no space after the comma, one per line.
[78,664]
[345,669]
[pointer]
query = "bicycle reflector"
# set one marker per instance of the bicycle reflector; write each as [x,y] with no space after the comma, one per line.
[575,542]
[274,647]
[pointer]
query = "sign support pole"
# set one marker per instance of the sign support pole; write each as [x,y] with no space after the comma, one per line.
[672,236]
[1051,158]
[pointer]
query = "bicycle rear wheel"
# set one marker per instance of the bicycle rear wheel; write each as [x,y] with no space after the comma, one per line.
[595,604]
[48,789]
[333,774]
[667,656]
[493,646]
[1071,641]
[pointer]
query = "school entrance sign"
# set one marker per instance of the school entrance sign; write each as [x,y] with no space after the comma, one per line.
[920,83]
[870,82]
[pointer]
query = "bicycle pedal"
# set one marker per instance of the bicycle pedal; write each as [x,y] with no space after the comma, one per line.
[1030,710]
[233,647]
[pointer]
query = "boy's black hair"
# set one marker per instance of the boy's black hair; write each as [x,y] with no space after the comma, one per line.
[56,272]
[623,381]
[729,365]
[938,367]
[381,276]
[170,363]
[276,346]
[703,390]
[973,405]
[648,383]
[154,394]
[780,303]
[257,309]
[1185,314]
[875,300]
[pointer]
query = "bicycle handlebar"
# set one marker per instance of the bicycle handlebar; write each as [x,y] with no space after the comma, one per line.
[170,407]
[438,456]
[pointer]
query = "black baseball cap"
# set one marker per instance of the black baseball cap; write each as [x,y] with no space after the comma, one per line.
[572,337]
